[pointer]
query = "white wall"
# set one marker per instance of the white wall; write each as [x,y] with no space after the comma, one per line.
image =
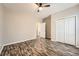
[62,14]
[1,25]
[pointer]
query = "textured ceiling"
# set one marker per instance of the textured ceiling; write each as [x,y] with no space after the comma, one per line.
[55,7]
[32,8]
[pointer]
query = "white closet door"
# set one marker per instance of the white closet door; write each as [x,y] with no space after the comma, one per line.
[77,31]
[66,30]
[70,30]
[60,31]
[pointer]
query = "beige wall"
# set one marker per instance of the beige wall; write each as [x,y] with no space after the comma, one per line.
[62,14]
[1,25]
[19,26]
[47,20]
[16,26]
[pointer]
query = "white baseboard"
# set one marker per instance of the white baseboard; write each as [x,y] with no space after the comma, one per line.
[15,42]
[1,47]
[77,46]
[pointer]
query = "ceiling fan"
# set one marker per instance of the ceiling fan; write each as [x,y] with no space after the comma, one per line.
[41,5]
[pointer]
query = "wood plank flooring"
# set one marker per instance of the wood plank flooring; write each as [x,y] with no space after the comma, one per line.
[41,47]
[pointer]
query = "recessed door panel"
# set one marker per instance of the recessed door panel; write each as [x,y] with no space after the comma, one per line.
[70,30]
[77,31]
[60,30]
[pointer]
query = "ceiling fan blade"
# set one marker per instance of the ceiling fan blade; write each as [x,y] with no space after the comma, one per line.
[46,6]
[39,4]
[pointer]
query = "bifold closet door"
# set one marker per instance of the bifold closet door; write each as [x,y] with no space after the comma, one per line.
[60,30]
[70,30]
[77,31]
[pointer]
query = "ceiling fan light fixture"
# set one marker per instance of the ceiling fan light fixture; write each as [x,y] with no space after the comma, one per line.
[40,8]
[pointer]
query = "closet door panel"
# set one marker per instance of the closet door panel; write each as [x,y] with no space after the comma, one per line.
[70,30]
[57,31]
[66,30]
[77,31]
[60,30]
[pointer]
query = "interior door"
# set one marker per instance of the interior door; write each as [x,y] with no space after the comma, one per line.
[70,30]
[60,30]
[42,30]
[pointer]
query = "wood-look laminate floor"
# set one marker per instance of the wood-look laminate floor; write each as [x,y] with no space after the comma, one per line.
[37,48]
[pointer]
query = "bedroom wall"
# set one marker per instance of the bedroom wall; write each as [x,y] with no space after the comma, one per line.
[1,26]
[47,20]
[19,26]
[62,14]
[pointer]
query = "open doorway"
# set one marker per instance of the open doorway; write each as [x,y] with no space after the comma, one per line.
[47,20]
